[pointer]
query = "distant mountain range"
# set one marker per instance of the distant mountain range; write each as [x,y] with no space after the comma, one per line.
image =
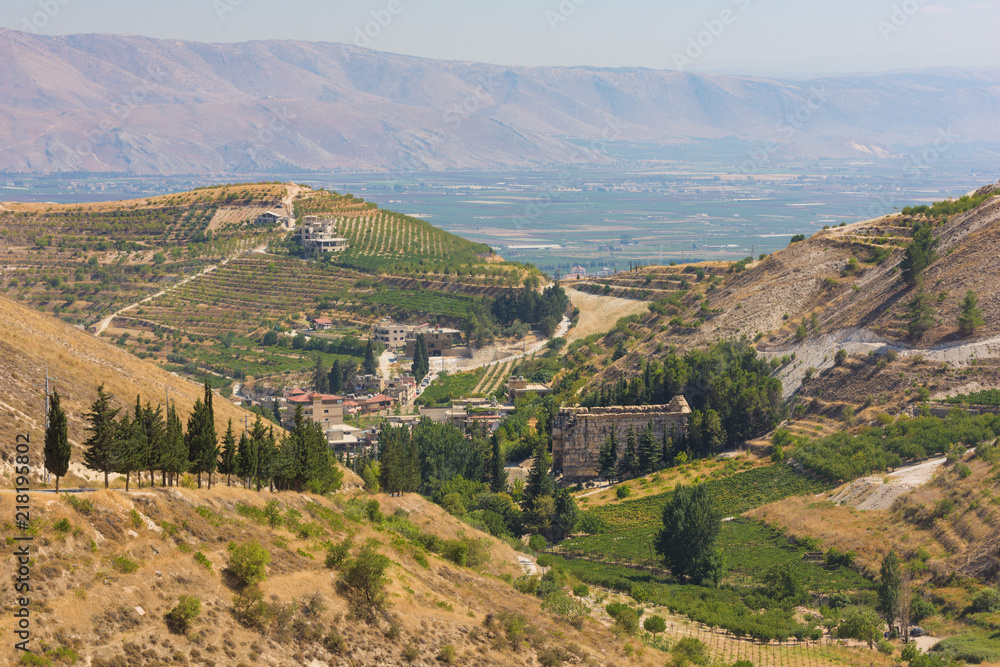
[109,103]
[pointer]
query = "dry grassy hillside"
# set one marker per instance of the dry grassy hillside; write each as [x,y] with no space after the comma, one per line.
[949,524]
[106,577]
[80,362]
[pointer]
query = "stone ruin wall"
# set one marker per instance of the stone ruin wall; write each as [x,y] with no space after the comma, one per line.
[577,433]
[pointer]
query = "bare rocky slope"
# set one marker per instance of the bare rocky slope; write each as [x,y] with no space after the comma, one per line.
[109,103]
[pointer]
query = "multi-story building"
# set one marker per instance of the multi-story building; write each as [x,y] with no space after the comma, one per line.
[324,409]
[439,342]
[392,334]
[319,235]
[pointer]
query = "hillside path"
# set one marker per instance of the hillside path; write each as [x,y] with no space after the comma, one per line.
[103,324]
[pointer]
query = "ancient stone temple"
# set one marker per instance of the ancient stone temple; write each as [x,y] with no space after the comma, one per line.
[577,433]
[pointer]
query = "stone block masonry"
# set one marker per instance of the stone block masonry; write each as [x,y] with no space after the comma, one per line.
[577,433]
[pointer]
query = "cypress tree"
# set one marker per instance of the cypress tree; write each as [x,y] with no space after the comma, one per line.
[156,436]
[242,463]
[498,473]
[196,439]
[175,459]
[371,363]
[321,381]
[228,463]
[211,451]
[608,455]
[276,409]
[103,434]
[129,451]
[336,377]
[539,483]
[630,459]
[649,450]
[57,450]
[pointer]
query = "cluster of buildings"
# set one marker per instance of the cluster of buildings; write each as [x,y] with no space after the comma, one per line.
[441,341]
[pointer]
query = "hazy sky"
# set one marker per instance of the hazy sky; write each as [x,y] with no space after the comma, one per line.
[761,36]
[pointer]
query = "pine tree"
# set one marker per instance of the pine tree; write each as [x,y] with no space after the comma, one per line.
[919,254]
[712,434]
[103,435]
[336,377]
[57,449]
[971,316]
[498,471]
[608,455]
[321,381]
[920,314]
[227,466]
[371,363]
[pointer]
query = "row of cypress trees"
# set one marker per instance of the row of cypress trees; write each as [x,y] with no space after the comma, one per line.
[143,440]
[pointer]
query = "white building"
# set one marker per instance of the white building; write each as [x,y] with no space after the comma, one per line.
[319,235]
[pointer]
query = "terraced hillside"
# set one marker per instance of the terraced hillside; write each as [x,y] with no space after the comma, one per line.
[840,289]
[83,261]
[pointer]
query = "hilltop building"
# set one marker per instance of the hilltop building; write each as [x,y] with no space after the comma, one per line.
[319,235]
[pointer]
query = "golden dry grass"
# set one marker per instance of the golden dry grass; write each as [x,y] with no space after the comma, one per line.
[84,602]
[80,362]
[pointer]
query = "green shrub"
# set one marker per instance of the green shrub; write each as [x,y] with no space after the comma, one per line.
[181,616]
[82,505]
[411,653]
[124,564]
[203,560]
[447,654]
[690,649]
[363,584]
[581,590]
[63,526]
[248,562]
[623,491]
[334,642]
[654,624]
[338,553]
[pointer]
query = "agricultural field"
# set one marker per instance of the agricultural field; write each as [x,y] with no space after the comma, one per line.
[732,495]
[448,388]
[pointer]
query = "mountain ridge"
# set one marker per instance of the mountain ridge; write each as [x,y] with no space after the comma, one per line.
[110,103]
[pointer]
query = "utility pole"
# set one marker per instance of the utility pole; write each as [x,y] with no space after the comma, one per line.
[47,392]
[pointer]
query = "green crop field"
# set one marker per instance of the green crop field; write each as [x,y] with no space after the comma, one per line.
[733,495]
